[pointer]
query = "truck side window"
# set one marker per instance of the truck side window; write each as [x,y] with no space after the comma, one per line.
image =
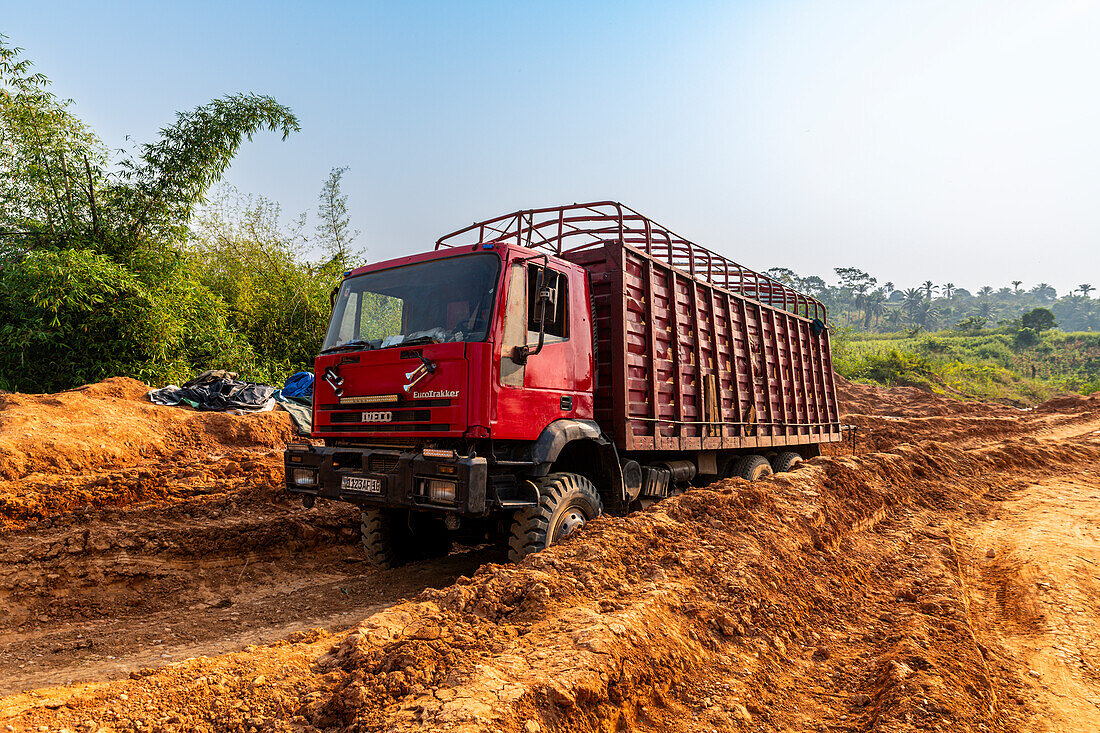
[557,311]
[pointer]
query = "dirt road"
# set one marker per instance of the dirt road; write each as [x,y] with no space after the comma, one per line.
[947,582]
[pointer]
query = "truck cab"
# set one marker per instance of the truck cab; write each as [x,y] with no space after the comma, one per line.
[439,374]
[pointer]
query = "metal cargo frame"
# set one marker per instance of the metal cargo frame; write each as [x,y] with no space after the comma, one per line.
[693,351]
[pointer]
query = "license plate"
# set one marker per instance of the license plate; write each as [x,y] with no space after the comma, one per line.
[359,483]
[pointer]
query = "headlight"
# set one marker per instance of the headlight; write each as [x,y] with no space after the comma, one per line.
[303,477]
[441,491]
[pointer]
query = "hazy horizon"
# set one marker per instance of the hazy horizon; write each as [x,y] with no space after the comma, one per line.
[943,141]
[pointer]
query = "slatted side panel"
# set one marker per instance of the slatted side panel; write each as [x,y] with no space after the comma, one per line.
[685,366]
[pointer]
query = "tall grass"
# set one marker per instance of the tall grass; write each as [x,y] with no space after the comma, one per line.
[988,366]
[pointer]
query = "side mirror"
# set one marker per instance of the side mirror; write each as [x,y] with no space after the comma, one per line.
[546,308]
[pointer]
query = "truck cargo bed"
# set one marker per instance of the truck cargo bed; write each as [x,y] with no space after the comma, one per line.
[682,364]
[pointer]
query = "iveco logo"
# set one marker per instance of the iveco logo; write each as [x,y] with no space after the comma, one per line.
[377,417]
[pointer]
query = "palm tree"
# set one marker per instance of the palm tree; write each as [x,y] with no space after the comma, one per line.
[1044,292]
[928,289]
[985,291]
[948,290]
[927,315]
[874,305]
[1085,289]
[1016,285]
[912,302]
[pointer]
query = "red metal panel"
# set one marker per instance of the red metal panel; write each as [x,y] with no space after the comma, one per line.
[716,364]
[619,382]
[779,362]
[677,362]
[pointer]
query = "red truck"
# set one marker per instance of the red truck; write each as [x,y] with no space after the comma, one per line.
[538,369]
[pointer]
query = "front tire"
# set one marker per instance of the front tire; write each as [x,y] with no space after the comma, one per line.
[377,533]
[567,501]
[394,537]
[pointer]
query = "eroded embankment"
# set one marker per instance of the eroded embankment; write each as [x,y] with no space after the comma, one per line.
[833,593]
[105,445]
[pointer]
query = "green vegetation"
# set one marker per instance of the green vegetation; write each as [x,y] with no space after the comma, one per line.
[990,366]
[858,300]
[1001,345]
[121,266]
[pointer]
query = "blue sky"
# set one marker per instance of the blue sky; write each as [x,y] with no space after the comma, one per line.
[918,140]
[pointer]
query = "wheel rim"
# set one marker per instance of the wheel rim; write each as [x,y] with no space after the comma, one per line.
[571,520]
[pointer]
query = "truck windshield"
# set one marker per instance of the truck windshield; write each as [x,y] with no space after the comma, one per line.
[441,300]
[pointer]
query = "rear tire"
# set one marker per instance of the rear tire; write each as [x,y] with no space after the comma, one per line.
[567,501]
[785,461]
[750,468]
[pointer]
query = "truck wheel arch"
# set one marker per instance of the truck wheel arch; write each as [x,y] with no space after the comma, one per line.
[579,446]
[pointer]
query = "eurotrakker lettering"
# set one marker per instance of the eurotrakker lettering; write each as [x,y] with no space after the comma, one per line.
[435,394]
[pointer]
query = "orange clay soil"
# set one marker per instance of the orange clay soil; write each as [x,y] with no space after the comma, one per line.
[930,586]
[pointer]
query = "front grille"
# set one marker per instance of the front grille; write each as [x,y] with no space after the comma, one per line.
[382,464]
[384,428]
[397,416]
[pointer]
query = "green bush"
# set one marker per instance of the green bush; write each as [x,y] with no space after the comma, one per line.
[274,296]
[70,315]
[994,351]
[889,367]
[75,316]
[1026,337]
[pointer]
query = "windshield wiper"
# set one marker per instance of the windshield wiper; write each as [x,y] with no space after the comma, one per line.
[419,340]
[348,345]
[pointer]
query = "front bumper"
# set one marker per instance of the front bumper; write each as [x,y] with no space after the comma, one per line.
[388,478]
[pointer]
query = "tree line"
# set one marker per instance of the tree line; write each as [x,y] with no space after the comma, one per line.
[858,300]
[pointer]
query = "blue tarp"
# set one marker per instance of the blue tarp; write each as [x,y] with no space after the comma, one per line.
[296,397]
[299,385]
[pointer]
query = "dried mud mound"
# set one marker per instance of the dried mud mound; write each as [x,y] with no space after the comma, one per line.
[105,444]
[865,399]
[830,598]
[888,417]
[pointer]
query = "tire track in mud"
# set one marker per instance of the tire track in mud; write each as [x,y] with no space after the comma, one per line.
[208,566]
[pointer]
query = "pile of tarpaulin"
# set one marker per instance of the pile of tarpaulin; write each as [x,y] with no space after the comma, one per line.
[221,391]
